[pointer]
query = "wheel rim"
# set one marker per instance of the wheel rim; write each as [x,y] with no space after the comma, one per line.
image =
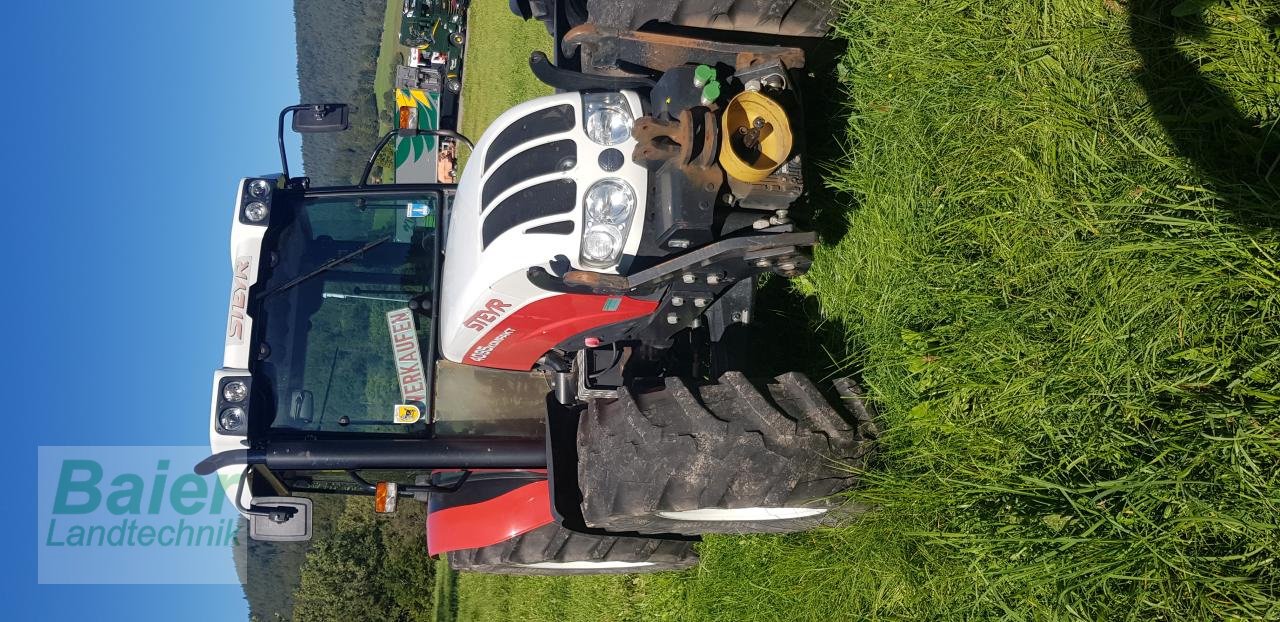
[742,514]
[586,565]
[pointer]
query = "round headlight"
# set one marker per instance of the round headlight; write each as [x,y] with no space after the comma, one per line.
[256,211]
[259,188]
[235,391]
[609,125]
[601,244]
[609,202]
[232,419]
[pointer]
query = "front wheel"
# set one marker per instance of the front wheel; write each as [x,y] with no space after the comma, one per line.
[554,550]
[721,458]
[795,18]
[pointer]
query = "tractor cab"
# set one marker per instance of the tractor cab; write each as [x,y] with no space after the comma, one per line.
[330,364]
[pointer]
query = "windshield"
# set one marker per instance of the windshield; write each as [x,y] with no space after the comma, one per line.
[345,347]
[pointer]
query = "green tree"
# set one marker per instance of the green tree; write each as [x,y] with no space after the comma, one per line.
[373,568]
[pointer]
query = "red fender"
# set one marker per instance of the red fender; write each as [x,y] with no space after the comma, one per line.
[490,521]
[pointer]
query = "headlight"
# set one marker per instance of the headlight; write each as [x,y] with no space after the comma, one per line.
[600,245]
[235,391]
[231,419]
[606,117]
[256,211]
[259,188]
[610,202]
[607,210]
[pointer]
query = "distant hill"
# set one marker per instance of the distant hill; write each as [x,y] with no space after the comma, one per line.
[337,57]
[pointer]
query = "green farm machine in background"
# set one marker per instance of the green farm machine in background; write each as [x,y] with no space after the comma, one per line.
[434,25]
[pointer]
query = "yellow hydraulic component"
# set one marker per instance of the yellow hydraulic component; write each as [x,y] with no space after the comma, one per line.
[755,136]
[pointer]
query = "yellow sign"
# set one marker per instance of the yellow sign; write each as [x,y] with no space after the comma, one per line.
[407,413]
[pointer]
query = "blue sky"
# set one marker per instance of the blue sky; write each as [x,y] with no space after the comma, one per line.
[128,124]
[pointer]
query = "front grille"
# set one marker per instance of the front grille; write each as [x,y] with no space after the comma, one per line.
[535,162]
[545,199]
[532,126]
[559,227]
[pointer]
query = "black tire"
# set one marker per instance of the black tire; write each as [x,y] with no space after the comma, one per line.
[672,460]
[575,13]
[552,545]
[795,18]
[457,39]
[454,85]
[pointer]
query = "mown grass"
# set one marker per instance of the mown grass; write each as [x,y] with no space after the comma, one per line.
[497,73]
[445,592]
[390,53]
[1050,252]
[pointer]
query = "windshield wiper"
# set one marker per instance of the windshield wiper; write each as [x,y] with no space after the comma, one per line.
[332,263]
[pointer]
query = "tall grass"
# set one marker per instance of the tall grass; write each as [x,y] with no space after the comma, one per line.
[1070,320]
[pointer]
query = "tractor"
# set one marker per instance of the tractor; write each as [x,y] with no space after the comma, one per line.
[548,354]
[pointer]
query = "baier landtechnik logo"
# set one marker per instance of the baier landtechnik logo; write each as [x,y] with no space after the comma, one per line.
[133,515]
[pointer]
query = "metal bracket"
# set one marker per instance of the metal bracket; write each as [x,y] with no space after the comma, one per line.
[604,51]
[762,246]
[585,391]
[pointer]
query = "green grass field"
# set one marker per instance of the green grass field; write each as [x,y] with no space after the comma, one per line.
[390,53]
[444,596]
[1050,252]
[497,69]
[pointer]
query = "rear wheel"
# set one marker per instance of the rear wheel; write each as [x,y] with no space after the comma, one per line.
[554,550]
[722,458]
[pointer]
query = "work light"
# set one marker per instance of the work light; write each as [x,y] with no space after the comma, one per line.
[606,117]
[255,211]
[231,419]
[607,209]
[259,188]
[235,391]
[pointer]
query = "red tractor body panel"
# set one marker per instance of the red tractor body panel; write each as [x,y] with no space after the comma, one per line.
[491,520]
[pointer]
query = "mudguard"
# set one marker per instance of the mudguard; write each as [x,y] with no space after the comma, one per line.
[489,508]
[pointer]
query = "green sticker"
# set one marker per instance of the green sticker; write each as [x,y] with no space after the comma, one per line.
[612,304]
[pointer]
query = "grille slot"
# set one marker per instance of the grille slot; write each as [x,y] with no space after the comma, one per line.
[545,199]
[534,162]
[532,126]
[559,227]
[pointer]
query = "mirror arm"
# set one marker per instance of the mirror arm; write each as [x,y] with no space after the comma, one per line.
[284,160]
[368,486]
[368,166]
[403,133]
[277,514]
[451,134]
[462,479]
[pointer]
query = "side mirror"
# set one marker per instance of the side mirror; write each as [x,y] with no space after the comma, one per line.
[281,519]
[319,118]
[310,119]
